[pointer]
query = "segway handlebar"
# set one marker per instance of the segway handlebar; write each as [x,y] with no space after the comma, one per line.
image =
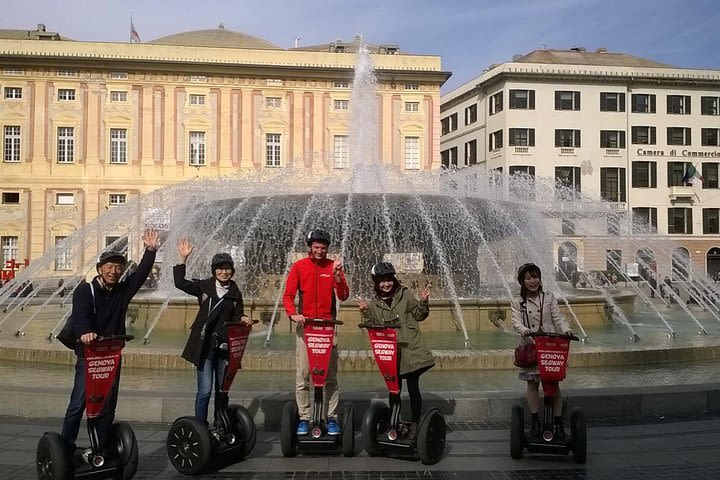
[322,320]
[99,338]
[375,325]
[241,323]
[552,335]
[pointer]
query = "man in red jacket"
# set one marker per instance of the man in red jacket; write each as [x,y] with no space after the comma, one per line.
[318,280]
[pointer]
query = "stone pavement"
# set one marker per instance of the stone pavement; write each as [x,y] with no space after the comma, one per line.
[618,448]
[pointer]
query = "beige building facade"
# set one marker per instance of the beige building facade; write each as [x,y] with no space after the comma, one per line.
[613,127]
[87,126]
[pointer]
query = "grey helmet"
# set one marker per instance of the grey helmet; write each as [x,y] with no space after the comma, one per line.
[527,267]
[318,235]
[220,259]
[111,256]
[382,269]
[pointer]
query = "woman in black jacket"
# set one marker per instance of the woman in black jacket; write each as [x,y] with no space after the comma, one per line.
[220,302]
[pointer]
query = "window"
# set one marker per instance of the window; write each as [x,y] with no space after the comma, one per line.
[676,173]
[66,145]
[63,254]
[521,170]
[471,114]
[642,103]
[341,151]
[710,137]
[567,138]
[272,150]
[612,184]
[10,198]
[613,260]
[273,102]
[274,82]
[612,102]
[522,99]
[448,157]
[678,104]
[66,94]
[341,104]
[710,175]
[9,246]
[67,72]
[412,86]
[614,223]
[612,139]
[412,153]
[680,220]
[644,174]
[521,137]
[449,124]
[496,103]
[197,149]
[644,220]
[196,99]
[523,183]
[711,220]
[566,100]
[710,106]
[117,243]
[471,152]
[643,135]
[412,106]
[341,84]
[11,142]
[118,145]
[568,181]
[678,135]
[117,198]
[13,93]
[567,226]
[496,140]
[64,199]
[119,75]
[13,71]
[118,97]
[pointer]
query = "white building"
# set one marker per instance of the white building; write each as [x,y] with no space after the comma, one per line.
[614,127]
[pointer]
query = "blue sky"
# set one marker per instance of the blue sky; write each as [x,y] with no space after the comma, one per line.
[469,35]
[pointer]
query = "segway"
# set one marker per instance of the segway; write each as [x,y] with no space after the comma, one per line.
[192,444]
[552,355]
[119,459]
[382,431]
[318,335]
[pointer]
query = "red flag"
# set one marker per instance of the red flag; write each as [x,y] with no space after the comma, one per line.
[134,35]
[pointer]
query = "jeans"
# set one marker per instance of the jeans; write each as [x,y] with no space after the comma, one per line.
[76,408]
[213,368]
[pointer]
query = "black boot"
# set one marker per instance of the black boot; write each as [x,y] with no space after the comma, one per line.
[534,425]
[559,428]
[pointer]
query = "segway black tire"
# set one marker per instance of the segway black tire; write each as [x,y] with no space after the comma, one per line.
[431,437]
[288,430]
[127,450]
[348,430]
[375,421]
[578,430]
[52,458]
[188,445]
[517,431]
[244,426]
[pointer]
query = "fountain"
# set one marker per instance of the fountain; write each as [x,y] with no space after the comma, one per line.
[466,231]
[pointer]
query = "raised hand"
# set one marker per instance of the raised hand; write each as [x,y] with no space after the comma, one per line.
[337,269]
[151,239]
[362,304]
[425,292]
[185,248]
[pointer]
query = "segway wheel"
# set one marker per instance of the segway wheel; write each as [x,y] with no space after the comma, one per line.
[375,421]
[288,430]
[52,458]
[517,431]
[188,445]
[127,450]
[243,426]
[348,430]
[578,430]
[431,437]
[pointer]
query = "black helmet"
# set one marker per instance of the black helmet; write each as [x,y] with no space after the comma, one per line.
[382,269]
[527,267]
[111,256]
[220,259]
[318,235]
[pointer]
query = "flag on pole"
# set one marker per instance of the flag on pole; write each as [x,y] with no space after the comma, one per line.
[134,35]
[690,173]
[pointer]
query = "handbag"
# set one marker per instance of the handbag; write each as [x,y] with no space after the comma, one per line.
[525,355]
[66,335]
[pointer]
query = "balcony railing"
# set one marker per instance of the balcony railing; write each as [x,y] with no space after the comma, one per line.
[522,151]
[612,152]
[567,151]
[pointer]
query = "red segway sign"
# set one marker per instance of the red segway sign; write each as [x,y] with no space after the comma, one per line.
[552,355]
[237,341]
[384,347]
[319,343]
[102,360]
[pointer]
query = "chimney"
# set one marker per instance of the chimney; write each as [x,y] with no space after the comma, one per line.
[601,50]
[40,27]
[516,57]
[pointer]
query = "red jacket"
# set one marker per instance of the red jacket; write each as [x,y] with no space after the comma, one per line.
[315,281]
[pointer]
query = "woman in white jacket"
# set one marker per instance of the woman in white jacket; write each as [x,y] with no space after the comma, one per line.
[532,311]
